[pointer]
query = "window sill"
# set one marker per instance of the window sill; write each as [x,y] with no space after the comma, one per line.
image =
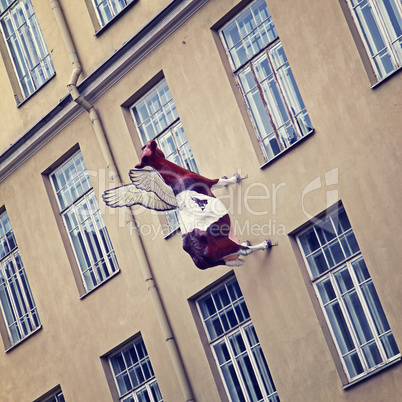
[99,285]
[374,372]
[23,339]
[19,104]
[309,134]
[386,78]
[114,19]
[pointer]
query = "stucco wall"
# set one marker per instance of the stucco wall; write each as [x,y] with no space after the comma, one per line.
[356,132]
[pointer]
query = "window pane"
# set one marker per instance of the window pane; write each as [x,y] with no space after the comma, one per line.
[389,345]
[339,327]
[317,263]
[380,22]
[309,241]
[273,99]
[107,9]
[391,17]
[156,117]
[349,299]
[88,234]
[238,353]
[27,48]
[353,364]
[16,299]
[132,369]
[370,27]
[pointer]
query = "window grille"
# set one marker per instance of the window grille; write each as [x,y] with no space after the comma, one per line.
[265,79]
[16,300]
[380,25]
[82,218]
[25,43]
[106,10]
[133,374]
[235,344]
[347,296]
[156,117]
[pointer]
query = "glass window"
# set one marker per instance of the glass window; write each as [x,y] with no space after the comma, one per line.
[107,9]
[26,46]
[380,25]
[133,374]
[84,223]
[347,296]
[16,300]
[156,117]
[235,344]
[56,397]
[265,79]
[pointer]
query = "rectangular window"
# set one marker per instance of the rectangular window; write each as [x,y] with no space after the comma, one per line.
[106,10]
[81,216]
[57,397]
[155,117]
[133,374]
[235,345]
[380,26]
[347,296]
[17,304]
[26,46]
[265,79]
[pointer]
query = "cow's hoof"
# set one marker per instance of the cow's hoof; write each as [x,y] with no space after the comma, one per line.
[246,243]
[268,244]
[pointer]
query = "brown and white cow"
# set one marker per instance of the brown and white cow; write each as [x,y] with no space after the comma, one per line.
[205,224]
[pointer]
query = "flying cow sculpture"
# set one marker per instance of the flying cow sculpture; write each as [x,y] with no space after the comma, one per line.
[161,185]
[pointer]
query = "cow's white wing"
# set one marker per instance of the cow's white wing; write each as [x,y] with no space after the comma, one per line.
[129,195]
[149,180]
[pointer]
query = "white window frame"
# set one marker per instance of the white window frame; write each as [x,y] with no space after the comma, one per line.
[111,7]
[318,279]
[384,30]
[21,317]
[165,124]
[55,397]
[244,324]
[32,63]
[130,395]
[84,205]
[267,115]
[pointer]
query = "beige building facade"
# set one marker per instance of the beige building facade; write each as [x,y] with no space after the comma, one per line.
[303,98]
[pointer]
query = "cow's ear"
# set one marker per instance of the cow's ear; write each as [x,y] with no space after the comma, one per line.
[153,145]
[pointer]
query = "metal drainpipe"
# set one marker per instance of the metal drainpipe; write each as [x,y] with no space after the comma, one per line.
[114,175]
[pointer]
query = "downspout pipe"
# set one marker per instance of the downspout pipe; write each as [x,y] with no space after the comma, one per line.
[115,176]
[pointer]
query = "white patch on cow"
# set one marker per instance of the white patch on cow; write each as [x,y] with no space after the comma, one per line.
[198,211]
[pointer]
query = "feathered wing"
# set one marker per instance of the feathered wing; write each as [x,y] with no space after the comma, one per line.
[129,195]
[149,180]
[147,189]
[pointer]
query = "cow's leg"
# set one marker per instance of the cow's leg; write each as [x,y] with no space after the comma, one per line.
[221,248]
[247,249]
[224,182]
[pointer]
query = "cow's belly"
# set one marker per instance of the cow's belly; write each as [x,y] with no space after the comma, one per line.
[198,211]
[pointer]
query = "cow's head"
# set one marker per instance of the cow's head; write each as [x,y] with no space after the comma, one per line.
[150,155]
